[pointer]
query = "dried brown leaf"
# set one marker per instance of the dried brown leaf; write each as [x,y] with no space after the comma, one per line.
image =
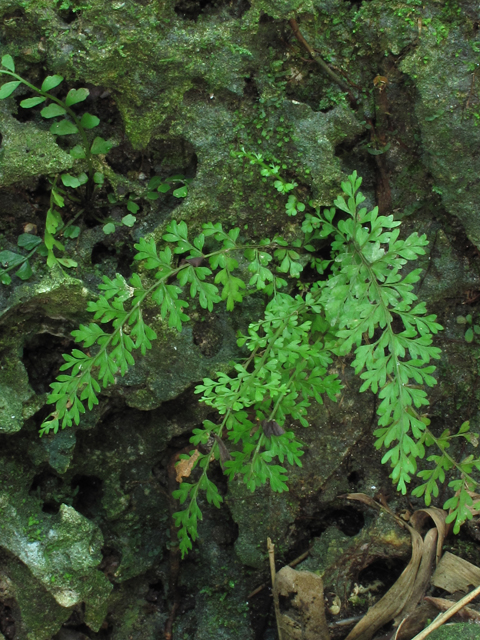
[455,574]
[184,467]
[438,516]
[402,598]
[392,603]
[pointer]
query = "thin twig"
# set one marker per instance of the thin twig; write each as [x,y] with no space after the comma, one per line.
[443,617]
[321,63]
[271,558]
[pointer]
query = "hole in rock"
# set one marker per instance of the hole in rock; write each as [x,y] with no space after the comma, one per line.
[25,115]
[349,522]
[385,570]
[88,500]
[265,18]
[125,260]
[250,89]
[68,15]
[49,488]
[110,562]
[155,594]
[192,9]
[42,358]
[354,477]
[77,632]
[262,614]
[7,622]
[101,253]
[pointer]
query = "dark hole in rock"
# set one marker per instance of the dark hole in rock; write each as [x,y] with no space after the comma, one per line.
[125,260]
[119,261]
[25,115]
[51,508]
[250,89]
[49,488]
[310,273]
[155,594]
[187,602]
[192,9]
[344,149]
[350,522]
[94,217]
[77,616]
[124,158]
[7,622]
[385,570]
[67,15]
[101,253]
[88,500]
[265,18]
[110,562]
[354,477]
[262,614]
[181,409]
[78,633]
[42,358]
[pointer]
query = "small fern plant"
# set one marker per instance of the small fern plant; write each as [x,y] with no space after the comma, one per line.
[70,124]
[360,304]
[80,188]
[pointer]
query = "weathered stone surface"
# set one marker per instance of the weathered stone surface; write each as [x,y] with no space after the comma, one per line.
[443,78]
[179,85]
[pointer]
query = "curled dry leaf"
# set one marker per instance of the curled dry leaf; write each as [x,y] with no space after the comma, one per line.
[438,516]
[393,602]
[185,466]
[402,598]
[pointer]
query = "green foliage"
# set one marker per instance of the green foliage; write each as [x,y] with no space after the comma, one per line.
[71,124]
[360,304]
[472,330]
[80,189]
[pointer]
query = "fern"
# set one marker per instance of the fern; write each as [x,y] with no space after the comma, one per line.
[364,306]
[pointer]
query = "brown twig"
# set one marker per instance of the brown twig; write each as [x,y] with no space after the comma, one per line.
[174,571]
[443,617]
[321,63]
[271,557]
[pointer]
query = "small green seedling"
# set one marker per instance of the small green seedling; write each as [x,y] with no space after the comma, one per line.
[156,186]
[472,328]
